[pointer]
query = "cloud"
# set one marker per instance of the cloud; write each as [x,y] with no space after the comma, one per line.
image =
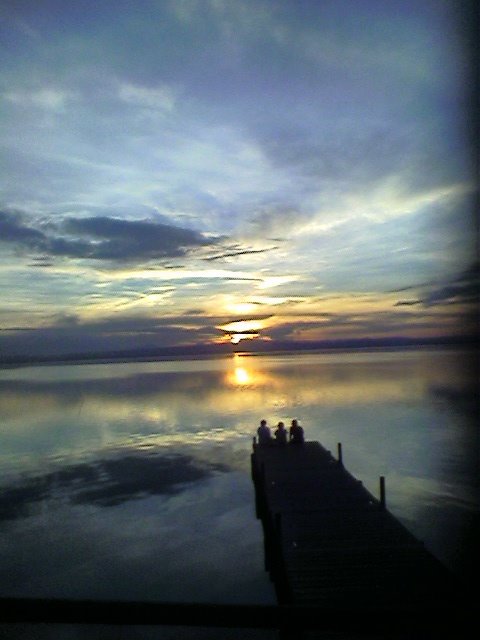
[41,262]
[278,222]
[132,239]
[364,325]
[13,229]
[160,98]
[101,238]
[238,251]
[47,98]
[461,289]
[407,303]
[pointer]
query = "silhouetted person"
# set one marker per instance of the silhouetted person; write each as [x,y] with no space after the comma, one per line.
[264,435]
[296,433]
[281,434]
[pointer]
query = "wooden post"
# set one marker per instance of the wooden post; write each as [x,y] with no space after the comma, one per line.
[340,459]
[383,501]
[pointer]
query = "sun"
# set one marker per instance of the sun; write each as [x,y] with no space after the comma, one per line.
[235,338]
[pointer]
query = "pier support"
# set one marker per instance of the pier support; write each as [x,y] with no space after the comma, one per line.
[383,501]
[340,458]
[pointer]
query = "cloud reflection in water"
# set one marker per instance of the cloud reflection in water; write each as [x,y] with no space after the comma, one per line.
[169,526]
[107,482]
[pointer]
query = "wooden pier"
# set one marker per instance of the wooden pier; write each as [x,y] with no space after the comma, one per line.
[330,544]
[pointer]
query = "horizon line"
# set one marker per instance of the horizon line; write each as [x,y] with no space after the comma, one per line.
[224,348]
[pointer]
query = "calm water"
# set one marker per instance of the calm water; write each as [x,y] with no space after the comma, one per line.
[131,481]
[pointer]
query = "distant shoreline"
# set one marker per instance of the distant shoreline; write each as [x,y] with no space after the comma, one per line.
[194,352]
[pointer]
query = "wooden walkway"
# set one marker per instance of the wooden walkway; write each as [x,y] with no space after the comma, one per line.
[331,544]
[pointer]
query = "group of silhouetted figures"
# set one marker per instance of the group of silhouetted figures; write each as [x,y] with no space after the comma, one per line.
[281,436]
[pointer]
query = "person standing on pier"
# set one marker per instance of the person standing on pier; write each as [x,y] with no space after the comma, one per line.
[264,435]
[296,433]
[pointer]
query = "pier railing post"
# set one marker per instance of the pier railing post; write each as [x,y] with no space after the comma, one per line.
[340,458]
[383,501]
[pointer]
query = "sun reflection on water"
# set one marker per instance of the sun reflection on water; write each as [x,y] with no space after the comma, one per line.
[243,374]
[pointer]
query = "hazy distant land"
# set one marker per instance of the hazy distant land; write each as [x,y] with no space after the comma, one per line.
[251,347]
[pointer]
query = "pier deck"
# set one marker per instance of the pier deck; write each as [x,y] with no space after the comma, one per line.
[330,543]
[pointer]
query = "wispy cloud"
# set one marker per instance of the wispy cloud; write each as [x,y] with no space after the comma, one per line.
[161,98]
[237,251]
[48,98]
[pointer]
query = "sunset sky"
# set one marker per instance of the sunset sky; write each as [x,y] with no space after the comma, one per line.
[170,167]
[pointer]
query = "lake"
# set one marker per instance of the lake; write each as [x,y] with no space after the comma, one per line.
[132,480]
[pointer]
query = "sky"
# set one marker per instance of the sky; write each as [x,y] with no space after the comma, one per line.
[193,171]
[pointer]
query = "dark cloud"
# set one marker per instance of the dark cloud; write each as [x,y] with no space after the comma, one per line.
[453,294]
[407,303]
[14,229]
[394,323]
[16,501]
[41,262]
[412,287]
[234,252]
[244,332]
[106,482]
[101,238]
[461,289]
[119,239]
